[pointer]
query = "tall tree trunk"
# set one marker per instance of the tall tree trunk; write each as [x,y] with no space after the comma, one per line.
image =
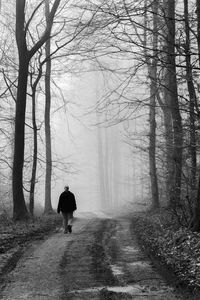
[101,164]
[195,221]
[108,200]
[48,206]
[168,148]
[171,96]
[152,144]
[35,142]
[193,98]
[34,166]
[19,206]
[115,166]
[198,26]
[152,110]
[152,72]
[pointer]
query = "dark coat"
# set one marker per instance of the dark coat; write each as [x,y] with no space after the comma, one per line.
[67,202]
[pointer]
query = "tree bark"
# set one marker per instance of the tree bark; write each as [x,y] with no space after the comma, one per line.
[195,221]
[101,164]
[169,149]
[19,207]
[34,166]
[108,199]
[152,111]
[35,143]
[152,73]
[198,26]
[171,96]
[192,97]
[48,206]
[152,145]
[116,170]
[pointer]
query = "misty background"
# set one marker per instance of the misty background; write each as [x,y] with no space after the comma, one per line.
[102,96]
[75,139]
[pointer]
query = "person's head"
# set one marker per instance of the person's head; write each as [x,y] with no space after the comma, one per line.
[66,188]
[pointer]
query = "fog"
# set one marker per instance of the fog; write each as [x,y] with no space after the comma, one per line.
[75,133]
[97,148]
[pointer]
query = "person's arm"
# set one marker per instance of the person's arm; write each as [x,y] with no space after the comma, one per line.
[58,208]
[75,207]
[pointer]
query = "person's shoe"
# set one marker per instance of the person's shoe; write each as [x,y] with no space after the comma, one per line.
[69,228]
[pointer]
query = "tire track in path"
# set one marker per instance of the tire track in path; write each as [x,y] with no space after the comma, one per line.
[100,260]
[36,275]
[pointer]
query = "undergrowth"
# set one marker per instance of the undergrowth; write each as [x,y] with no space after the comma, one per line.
[176,246]
[15,233]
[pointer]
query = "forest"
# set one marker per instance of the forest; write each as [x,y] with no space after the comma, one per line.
[145,55]
[151,46]
[151,51]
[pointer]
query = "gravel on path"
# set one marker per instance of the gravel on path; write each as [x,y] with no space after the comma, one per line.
[100,260]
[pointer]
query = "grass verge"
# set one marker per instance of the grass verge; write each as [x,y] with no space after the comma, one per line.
[13,234]
[174,247]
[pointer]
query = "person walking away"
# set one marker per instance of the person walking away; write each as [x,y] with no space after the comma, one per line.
[67,206]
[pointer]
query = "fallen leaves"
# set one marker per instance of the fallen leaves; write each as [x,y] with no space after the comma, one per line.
[13,234]
[179,248]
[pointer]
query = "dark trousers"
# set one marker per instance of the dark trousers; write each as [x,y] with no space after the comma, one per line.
[67,219]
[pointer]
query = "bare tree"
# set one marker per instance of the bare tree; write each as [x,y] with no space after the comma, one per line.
[195,220]
[171,96]
[48,206]
[192,98]
[152,73]
[19,207]
[34,85]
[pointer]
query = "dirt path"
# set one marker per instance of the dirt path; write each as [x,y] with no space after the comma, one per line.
[99,260]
